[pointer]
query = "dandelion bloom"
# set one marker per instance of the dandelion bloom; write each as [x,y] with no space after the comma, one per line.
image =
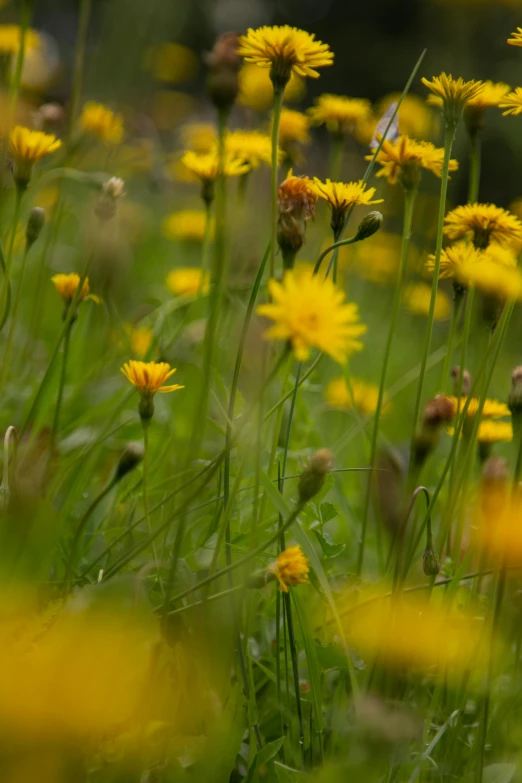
[490,278]
[140,338]
[199,136]
[206,167]
[482,223]
[492,409]
[250,146]
[102,122]
[490,431]
[364,395]
[294,128]
[66,286]
[340,113]
[455,94]
[290,568]
[404,158]
[26,147]
[149,377]
[285,50]
[187,282]
[512,102]
[310,311]
[417,298]
[186,225]
[516,39]
[452,258]
[257,92]
[11,36]
[340,196]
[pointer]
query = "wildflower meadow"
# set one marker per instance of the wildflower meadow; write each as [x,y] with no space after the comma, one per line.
[261,404]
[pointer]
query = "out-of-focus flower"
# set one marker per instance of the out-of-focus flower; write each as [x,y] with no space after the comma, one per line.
[404,158]
[66,286]
[376,261]
[497,280]
[339,113]
[294,127]
[341,196]
[10,37]
[257,92]
[452,258]
[516,37]
[512,102]
[170,107]
[285,50]
[206,168]
[365,395]
[482,223]
[497,519]
[490,431]
[100,121]
[140,338]
[290,568]
[188,282]
[417,297]
[454,93]
[26,147]
[199,137]
[171,62]
[252,147]
[493,409]
[188,225]
[309,311]
[491,95]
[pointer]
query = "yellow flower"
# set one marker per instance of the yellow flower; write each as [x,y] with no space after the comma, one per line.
[493,409]
[495,431]
[66,286]
[101,122]
[291,568]
[340,113]
[297,196]
[502,282]
[452,258]
[26,147]
[417,296]
[257,92]
[10,36]
[187,282]
[365,395]
[294,127]
[516,39]
[206,166]
[491,95]
[187,225]
[483,223]
[171,62]
[149,377]
[340,196]
[199,136]
[310,311]
[404,158]
[140,339]
[250,146]
[285,50]
[455,94]
[512,102]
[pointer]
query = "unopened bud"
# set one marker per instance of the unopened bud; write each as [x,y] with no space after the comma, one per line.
[35,223]
[131,458]
[223,79]
[430,562]
[370,224]
[515,395]
[111,191]
[438,411]
[313,477]
[290,238]
[465,383]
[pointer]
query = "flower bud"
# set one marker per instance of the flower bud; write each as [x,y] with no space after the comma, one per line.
[111,191]
[437,412]
[130,459]
[465,384]
[35,223]
[370,224]
[313,477]
[224,64]
[430,562]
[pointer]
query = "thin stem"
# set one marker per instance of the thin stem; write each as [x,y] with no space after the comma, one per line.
[145,423]
[61,386]
[79,63]
[278,103]
[205,251]
[295,670]
[12,327]
[409,201]
[474,166]
[9,258]
[336,155]
[458,296]
[448,143]
[14,89]
[329,249]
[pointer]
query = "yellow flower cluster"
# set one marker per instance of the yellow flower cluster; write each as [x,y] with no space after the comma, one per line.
[403,159]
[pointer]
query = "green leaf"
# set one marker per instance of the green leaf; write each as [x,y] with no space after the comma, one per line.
[499,773]
[262,758]
[329,548]
[328,511]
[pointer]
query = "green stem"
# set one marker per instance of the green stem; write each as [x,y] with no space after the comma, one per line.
[448,143]
[16,304]
[145,423]
[14,88]
[205,250]
[474,166]
[79,64]
[9,258]
[336,155]
[458,296]
[61,386]
[278,103]
[295,671]
[409,201]
[329,249]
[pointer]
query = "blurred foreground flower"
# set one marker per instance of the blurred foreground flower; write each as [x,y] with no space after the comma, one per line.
[310,312]
[188,281]
[148,378]
[257,92]
[417,296]
[454,93]
[482,223]
[252,147]
[285,50]
[26,147]
[516,37]
[364,395]
[66,286]
[187,225]
[10,37]
[341,196]
[290,568]
[501,282]
[100,121]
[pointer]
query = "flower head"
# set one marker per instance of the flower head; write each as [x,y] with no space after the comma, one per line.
[339,113]
[252,147]
[417,298]
[516,39]
[257,92]
[483,223]
[187,282]
[100,121]
[363,395]
[200,137]
[66,286]
[490,431]
[26,147]
[148,378]
[403,159]
[140,338]
[296,205]
[310,311]
[455,94]
[11,35]
[186,225]
[294,128]
[290,568]
[340,196]
[206,169]
[492,279]
[512,102]
[285,50]
[493,409]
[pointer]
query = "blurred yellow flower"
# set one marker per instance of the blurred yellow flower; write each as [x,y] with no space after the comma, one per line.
[206,166]
[188,282]
[417,296]
[290,568]
[149,377]
[100,121]
[512,102]
[186,225]
[310,312]
[294,127]
[365,395]
[250,146]
[10,36]
[455,94]
[516,37]
[493,409]
[482,223]
[452,258]
[26,147]
[490,431]
[199,136]
[403,159]
[340,113]
[66,286]
[377,260]
[257,92]
[491,95]
[285,50]
[171,62]
[140,339]
[490,278]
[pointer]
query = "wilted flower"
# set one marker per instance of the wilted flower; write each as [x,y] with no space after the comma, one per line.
[296,205]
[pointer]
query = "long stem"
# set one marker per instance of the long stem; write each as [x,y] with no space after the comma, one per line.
[12,328]
[448,143]
[295,671]
[474,166]
[457,308]
[9,257]
[409,201]
[14,89]
[206,244]
[336,155]
[278,102]
[79,63]
[145,486]
[61,386]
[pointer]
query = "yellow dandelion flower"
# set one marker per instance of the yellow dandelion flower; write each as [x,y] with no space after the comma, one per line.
[490,432]
[200,137]
[340,113]
[417,297]
[291,568]
[512,102]
[140,338]
[452,258]
[26,147]
[310,312]
[482,223]
[493,409]
[188,282]
[100,121]
[491,95]
[497,521]
[149,377]
[490,278]
[187,225]
[252,147]
[365,395]
[66,286]
[257,92]
[403,159]
[516,37]
[455,94]
[10,37]
[341,196]
[206,167]
[294,128]
[285,50]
